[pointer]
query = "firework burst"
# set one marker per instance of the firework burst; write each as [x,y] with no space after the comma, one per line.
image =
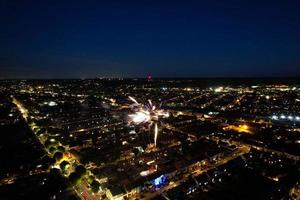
[146,114]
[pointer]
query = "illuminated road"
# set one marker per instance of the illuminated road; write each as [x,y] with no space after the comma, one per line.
[96,127]
[82,190]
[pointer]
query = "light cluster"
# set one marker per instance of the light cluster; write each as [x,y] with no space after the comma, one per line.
[284,117]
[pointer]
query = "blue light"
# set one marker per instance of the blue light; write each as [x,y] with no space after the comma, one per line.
[160,181]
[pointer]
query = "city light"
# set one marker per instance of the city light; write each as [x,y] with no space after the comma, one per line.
[131,145]
[160,181]
[244,127]
[284,117]
[219,89]
[240,128]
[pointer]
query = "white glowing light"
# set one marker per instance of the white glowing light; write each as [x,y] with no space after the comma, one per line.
[155,133]
[282,116]
[132,99]
[140,117]
[52,103]
[147,114]
[219,89]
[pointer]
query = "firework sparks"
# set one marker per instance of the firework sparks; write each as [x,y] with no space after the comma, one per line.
[140,117]
[146,114]
[155,133]
[135,101]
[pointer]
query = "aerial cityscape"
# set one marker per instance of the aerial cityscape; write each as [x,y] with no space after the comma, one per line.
[91,139]
[149,100]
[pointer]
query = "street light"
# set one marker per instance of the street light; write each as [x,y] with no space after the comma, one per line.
[282,116]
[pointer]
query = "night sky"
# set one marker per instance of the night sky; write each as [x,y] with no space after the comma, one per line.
[86,39]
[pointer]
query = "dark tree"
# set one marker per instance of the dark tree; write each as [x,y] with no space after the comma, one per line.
[61,149]
[58,155]
[52,149]
[54,171]
[63,165]
[74,178]
[95,186]
[41,131]
[80,170]
[48,143]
